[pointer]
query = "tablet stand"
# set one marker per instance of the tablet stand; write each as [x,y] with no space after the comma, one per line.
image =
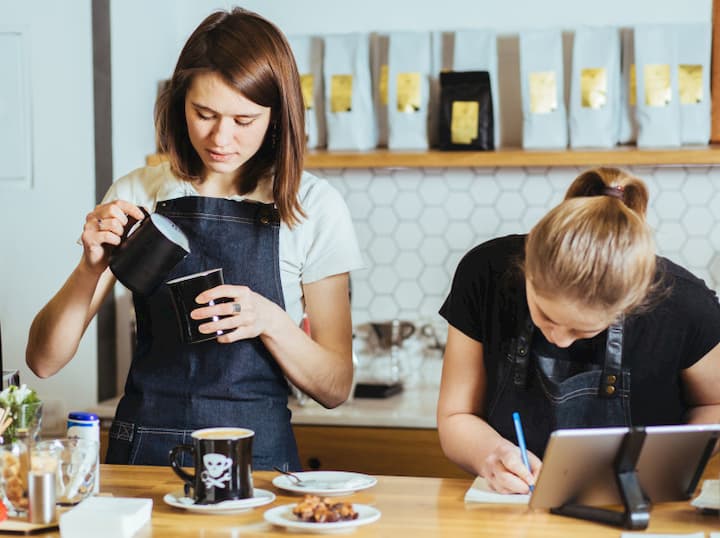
[637,507]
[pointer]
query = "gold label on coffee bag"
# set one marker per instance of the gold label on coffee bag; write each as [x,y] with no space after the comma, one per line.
[408,92]
[383,85]
[632,86]
[464,122]
[543,92]
[306,85]
[690,83]
[593,87]
[341,93]
[658,90]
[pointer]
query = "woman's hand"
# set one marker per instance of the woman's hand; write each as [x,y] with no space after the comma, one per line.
[246,315]
[104,227]
[505,472]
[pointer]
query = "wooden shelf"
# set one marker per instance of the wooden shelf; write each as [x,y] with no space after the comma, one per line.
[511,157]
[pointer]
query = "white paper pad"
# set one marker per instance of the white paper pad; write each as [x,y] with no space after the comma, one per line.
[645,535]
[709,495]
[480,492]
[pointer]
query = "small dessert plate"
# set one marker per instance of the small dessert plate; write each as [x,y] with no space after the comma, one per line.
[326,483]
[283,517]
[262,497]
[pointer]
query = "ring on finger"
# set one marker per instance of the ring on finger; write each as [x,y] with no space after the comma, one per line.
[100,224]
[236,308]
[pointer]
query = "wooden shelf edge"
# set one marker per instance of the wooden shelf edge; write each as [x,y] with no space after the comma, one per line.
[504,158]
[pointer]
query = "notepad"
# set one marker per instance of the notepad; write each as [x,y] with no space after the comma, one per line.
[480,492]
[709,497]
[646,535]
[109,517]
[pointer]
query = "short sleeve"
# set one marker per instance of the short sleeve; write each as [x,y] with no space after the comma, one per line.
[464,306]
[703,321]
[332,246]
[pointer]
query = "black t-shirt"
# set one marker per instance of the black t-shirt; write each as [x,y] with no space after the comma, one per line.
[681,325]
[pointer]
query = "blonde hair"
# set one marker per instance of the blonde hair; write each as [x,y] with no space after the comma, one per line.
[595,247]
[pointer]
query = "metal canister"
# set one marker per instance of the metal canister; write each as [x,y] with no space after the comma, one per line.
[83,425]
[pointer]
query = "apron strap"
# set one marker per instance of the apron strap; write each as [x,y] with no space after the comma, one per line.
[521,353]
[613,360]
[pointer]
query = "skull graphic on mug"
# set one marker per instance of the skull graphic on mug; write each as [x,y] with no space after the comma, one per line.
[223,464]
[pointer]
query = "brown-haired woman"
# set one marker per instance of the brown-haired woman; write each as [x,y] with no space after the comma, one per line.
[231,121]
[577,324]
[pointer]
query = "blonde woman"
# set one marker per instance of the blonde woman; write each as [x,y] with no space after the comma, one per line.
[577,324]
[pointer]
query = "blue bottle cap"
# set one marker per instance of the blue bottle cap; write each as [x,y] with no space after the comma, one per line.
[80,415]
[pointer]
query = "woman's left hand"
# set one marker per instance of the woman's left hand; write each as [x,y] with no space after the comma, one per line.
[246,315]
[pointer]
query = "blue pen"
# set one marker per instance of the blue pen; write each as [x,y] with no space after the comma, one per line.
[521,442]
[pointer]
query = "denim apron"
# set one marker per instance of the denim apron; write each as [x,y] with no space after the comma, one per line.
[174,388]
[552,393]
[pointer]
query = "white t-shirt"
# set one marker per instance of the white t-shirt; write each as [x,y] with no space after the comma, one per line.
[320,245]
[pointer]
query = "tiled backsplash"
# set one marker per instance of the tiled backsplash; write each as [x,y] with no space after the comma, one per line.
[414,225]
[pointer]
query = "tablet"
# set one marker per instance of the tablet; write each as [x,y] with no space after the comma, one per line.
[578,464]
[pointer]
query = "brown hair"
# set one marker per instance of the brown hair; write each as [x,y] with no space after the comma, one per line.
[595,247]
[253,56]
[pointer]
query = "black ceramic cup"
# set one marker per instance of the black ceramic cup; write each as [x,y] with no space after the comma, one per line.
[148,252]
[183,291]
[223,464]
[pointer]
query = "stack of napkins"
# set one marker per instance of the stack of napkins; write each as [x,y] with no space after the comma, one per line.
[109,517]
[480,492]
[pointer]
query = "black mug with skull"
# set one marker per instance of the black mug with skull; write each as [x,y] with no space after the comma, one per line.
[223,464]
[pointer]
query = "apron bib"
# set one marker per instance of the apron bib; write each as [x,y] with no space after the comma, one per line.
[175,388]
[552,393]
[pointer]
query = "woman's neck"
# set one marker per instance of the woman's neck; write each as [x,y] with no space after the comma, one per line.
[226,186]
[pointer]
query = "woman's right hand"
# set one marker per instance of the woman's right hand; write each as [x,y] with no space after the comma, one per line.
[104,227]
[505,472]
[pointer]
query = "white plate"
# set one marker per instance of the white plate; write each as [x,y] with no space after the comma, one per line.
[283,516]
[261,497]
[327,483]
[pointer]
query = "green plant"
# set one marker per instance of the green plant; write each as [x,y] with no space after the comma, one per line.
[24,407]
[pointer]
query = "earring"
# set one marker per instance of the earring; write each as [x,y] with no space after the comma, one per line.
[273,135]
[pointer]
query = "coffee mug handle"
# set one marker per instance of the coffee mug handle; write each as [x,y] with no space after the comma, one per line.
[131,222]
[174,453]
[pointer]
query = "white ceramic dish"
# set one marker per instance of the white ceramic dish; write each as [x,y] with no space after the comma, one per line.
[177,499]
[327,483]
[283,517]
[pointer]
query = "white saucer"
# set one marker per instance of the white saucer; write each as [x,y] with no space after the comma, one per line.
[327,483]
[283,516]
[177,499]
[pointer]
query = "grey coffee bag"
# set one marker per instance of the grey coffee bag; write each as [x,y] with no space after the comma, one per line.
[308,56]
[409,59]
[348,98]
[658,109]
[595,88]
[542,91]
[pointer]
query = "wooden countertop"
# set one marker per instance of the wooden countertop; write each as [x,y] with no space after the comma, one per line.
[410,506]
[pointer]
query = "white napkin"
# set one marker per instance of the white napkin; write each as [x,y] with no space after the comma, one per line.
[480,492]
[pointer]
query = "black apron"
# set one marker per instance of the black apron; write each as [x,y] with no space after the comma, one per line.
[552,393]
[175,388]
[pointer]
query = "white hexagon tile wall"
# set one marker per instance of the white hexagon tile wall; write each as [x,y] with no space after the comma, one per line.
[414,225]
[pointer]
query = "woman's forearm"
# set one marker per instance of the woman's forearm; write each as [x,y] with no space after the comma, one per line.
[57,329]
